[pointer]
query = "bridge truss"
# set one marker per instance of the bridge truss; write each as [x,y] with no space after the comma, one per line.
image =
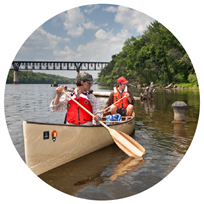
[58,65]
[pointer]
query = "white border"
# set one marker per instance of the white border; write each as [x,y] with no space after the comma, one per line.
[13,57]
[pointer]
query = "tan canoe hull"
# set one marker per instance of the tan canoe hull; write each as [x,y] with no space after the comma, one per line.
[43,154]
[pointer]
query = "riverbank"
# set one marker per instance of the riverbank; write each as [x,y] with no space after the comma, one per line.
[180,88]
[161,87]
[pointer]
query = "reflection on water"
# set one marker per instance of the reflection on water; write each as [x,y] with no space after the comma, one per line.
[126,166]
[109,173]
[148,107]
[85,171]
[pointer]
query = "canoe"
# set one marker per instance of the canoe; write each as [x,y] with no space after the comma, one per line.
[49,145]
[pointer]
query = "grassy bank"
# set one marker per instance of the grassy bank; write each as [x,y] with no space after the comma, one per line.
[187,85]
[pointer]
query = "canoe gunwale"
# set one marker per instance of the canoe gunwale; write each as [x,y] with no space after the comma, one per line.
[85,126]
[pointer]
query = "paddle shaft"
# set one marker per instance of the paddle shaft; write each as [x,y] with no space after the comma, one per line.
[84,109]
[114,103]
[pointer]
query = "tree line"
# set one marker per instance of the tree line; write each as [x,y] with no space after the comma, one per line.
[155,56]
[30,77]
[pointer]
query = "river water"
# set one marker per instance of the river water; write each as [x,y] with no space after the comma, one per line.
[109,173]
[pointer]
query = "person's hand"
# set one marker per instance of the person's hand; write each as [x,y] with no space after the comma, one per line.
[96,118]
[59,89]
[58,94]
[127,95]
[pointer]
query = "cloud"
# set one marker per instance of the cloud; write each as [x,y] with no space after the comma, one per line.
[90,25]
[101,48]
[90,8]
[112,9]
[106,42]
[64,54]
[40,40]
[103,35]
[75,22]
[129,18]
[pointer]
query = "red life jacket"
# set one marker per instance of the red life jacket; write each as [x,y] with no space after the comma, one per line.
[123,103]
[75,114]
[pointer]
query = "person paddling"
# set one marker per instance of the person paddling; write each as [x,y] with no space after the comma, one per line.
[125,106]
[75,114]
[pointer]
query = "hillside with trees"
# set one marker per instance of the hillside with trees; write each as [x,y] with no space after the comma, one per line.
[30,77]
[156,56]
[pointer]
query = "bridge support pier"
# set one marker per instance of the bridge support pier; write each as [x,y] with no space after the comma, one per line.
[15,77]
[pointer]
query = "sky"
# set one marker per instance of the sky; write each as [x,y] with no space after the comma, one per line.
[88,33]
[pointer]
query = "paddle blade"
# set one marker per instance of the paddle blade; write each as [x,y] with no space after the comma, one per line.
[127,143]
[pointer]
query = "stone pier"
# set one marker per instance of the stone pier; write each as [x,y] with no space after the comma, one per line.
[15,77]
[179,108]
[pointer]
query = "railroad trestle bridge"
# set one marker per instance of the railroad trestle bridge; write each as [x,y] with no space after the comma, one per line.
[54,65]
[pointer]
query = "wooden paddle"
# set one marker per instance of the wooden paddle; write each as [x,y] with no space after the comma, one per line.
[124,141]
[114,104]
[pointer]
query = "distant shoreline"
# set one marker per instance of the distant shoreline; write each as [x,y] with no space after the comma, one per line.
[178,88]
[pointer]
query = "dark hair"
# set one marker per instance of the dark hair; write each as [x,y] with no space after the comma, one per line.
[117,85]
[78,83]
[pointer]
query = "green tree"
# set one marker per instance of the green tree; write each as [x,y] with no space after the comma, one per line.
[192,78]
[29,77]
[155,56]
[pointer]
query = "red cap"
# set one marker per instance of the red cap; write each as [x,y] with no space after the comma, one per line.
[122,80]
